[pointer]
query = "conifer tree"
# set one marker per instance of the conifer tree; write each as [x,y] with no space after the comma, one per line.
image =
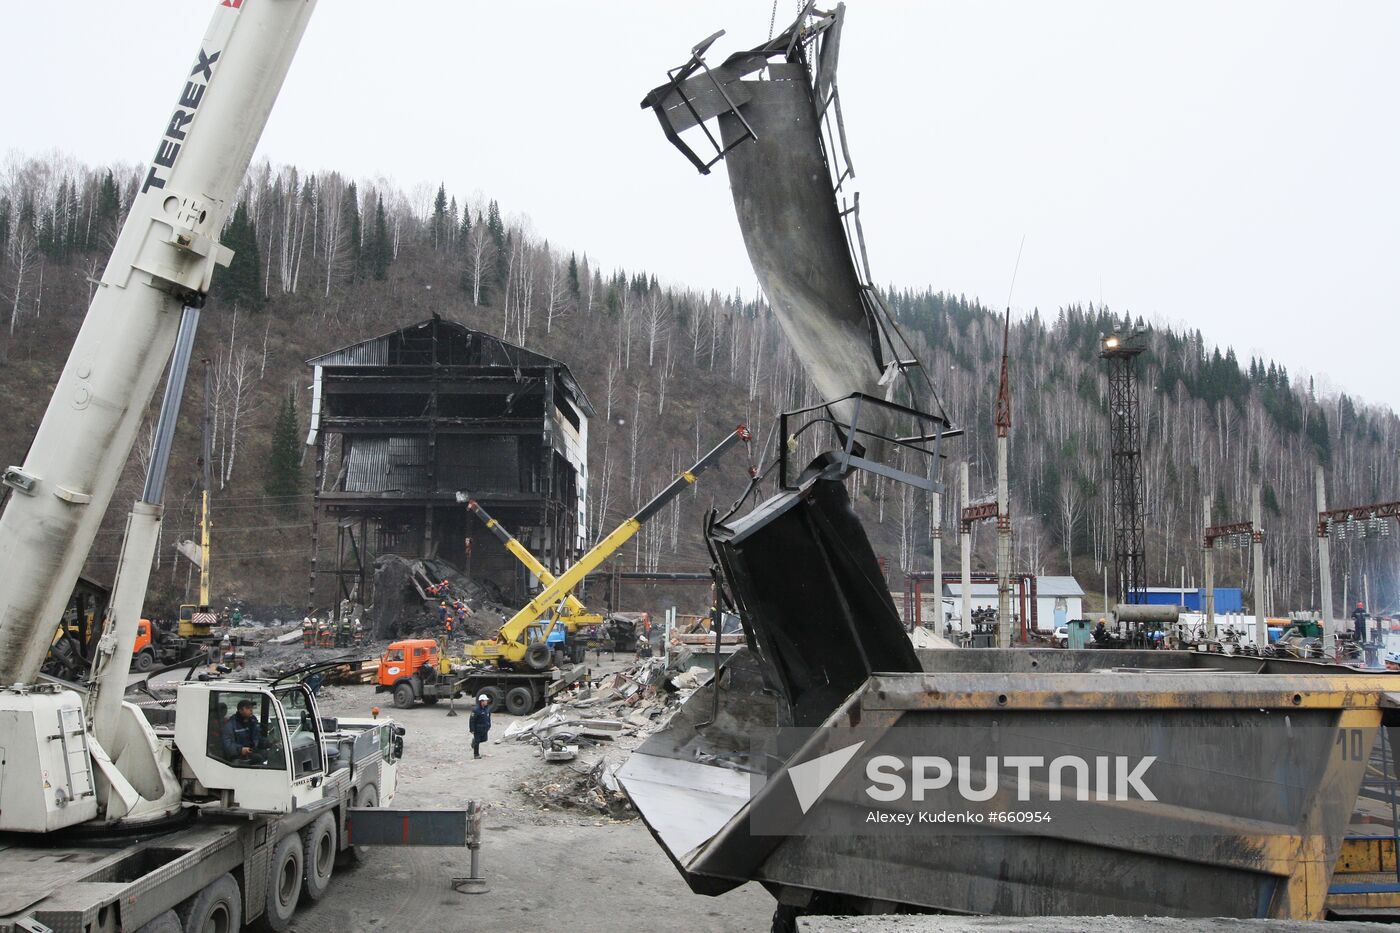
[381,251]
[283,472]
[242,280]
[440,218]
[354,228]
[106,213]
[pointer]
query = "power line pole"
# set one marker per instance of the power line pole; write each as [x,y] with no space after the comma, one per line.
[1003,421]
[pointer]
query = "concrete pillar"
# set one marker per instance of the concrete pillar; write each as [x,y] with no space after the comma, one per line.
[1324,562]
[1003,546]
[1256,514]
[1208,554]
[936,516]
[965,539]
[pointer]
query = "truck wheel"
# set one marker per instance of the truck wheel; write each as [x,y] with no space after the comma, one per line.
[519,701]
[367,797]
[283,884]
[318,850]
[538,656]
[493,697]
[216,909]
[145,660]
[403,695]
[430,701]
[168,922]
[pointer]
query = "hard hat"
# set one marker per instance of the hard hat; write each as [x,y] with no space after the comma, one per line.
[483,697]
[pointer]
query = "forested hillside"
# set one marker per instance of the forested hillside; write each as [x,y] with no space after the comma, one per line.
[323,261]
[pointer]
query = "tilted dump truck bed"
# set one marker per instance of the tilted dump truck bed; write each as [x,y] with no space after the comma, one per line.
[802,773]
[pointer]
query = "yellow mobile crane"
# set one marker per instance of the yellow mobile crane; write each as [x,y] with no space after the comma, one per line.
[521,641]
[570,613]
[197,621]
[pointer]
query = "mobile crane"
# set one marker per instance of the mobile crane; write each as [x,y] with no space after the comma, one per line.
[522,640]
[250,790]
[514,669]
[572,615]
[196,620]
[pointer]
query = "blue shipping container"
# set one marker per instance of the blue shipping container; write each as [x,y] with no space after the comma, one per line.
[1227,598]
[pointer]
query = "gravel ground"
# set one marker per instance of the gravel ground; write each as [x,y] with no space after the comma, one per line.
[548,869]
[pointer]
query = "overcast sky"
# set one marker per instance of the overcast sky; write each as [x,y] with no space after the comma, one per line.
[1230,166]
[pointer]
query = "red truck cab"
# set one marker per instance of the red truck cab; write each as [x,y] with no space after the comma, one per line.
[143,652]
[402,660]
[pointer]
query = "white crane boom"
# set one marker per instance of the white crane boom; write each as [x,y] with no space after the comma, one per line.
[163,261]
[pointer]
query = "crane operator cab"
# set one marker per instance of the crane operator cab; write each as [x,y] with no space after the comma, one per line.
[253,746]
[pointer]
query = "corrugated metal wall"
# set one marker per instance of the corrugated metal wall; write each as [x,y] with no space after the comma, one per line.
[387,464]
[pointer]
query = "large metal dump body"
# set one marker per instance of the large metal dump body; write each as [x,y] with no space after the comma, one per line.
[1253,788]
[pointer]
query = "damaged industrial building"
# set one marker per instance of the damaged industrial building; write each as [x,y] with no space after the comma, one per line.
[403,422]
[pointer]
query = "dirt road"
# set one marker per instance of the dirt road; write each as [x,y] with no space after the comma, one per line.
[548,869]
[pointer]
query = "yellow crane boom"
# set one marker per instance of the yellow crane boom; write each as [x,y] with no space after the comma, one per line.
[574,614]
[513,645]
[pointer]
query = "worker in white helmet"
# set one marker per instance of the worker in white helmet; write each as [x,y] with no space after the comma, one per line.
[480,723]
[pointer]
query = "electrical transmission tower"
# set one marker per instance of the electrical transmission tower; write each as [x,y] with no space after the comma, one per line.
[1129,562]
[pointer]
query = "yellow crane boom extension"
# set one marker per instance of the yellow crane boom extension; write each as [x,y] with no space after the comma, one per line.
[510,647]
[573,609]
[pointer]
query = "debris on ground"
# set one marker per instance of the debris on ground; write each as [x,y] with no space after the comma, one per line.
[591,729]
[592,788]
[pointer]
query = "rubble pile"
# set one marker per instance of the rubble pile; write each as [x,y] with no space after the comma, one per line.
[403,605]
[591,789]
[592,728]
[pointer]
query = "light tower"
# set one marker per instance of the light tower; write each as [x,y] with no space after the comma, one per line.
[1129,563]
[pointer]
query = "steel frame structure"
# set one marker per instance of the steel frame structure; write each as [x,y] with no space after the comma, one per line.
[1129,552]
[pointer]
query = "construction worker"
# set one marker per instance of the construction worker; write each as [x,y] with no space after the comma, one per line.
[308,632]
[442,612]
[462,612]
[480,723]
[1358,621]
[242,736]
[325,637]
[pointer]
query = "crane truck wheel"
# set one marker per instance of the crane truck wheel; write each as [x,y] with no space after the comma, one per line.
[519,701]
[283,884]
[367,797]
[145,660]
[168,922]
[538,656]
[493,696]
[318,850]
[216,908]
[403,695]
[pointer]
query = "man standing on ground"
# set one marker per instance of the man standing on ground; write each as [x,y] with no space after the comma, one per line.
[1358,621]
[480,723]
